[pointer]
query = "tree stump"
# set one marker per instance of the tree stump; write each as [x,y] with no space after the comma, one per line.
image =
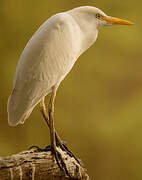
[34,165]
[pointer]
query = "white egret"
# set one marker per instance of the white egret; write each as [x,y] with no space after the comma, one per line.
[48,57]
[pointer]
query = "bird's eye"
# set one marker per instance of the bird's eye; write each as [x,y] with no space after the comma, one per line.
[98,16]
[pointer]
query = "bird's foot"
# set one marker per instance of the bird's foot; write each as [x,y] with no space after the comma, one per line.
[58,156]
[63,146]
[60,162]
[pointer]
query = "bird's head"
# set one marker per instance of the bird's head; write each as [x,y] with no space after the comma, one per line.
[97,17]
[90,19]
[102,19]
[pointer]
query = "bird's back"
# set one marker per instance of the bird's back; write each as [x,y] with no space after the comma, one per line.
[47,58]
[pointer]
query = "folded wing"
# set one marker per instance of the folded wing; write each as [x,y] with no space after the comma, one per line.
[45,61]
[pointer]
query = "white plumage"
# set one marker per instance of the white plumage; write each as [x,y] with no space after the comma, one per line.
[49,56]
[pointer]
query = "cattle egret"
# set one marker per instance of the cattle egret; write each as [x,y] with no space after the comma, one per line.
[47,58]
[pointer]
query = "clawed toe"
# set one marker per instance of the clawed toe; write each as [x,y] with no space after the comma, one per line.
[63,146]
[38,149]
[60,161]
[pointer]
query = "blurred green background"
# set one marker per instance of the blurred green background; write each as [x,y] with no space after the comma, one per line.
[98,105]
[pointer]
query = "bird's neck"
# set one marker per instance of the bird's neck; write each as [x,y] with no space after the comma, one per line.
[89,31]
[89,39]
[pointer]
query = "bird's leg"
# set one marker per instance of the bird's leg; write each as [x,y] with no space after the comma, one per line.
[46,118]
[51,118]
[43,111]
[59,142]
[54,149]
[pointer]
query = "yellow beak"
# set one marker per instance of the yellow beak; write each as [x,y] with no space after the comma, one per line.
[114,20]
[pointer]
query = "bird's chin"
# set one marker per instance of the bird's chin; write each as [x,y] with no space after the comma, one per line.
[108,24]
[104,24]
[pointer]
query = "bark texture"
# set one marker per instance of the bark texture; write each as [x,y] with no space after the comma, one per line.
[33,165]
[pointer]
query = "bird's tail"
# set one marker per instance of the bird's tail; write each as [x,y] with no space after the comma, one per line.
[16,115]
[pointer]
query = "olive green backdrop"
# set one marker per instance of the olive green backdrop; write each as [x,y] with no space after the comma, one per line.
[98,105]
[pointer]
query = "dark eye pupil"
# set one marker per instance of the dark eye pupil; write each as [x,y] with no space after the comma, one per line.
[98,15]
